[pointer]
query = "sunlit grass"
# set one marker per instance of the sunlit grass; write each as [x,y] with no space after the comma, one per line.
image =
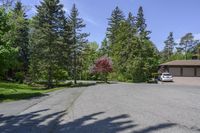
[14,91]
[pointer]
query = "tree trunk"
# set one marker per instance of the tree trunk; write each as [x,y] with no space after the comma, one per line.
[75,71]
[106,77]
[186,52]
[49,84]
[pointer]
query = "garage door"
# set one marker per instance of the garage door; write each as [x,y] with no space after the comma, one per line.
[188,72]
[198,72]
[175,71]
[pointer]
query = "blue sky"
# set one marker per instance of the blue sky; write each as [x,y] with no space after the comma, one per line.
[162,16]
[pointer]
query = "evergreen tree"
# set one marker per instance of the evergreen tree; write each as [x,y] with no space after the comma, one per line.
[134,56]
[18,9]
[141,25]
[116,18]
[142,61]
[78,39]
[131,20]
[134,59]
[7,4]
[104,50]
[169,47]
[67,47]
[21,35]
[47,40]
[124,46]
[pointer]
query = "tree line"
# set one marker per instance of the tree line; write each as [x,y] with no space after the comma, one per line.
[186,48]
[127,42]
[44,47]
[51,46]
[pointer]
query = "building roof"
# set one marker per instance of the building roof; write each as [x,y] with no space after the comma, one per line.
[182,63]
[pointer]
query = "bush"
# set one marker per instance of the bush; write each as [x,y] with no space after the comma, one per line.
[69,83]
[155,75]
[102,66]
[19,76]
[61,75]
[152,81]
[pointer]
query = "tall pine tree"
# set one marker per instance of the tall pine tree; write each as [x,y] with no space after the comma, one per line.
[7,4]
[124,47]
[169,47]
[114,21]
[47,40]
[67,47]
[131,20]
[79,39]
[141,25]
[104,50]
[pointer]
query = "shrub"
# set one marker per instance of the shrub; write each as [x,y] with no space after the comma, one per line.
[19,76]
[155,75]
[103,66]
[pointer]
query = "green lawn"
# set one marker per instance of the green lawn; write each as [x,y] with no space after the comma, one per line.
[14,91]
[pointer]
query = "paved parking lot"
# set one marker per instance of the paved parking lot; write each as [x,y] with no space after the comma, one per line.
[192,81]
[114,108]
[188,81]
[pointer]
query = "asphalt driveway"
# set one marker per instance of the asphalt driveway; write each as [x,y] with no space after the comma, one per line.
[190,81]
[114,108]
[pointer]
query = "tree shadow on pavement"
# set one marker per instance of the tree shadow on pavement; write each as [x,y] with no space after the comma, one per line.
[90,124]
[156,128]
[34,122]
[121,123]
[44,121]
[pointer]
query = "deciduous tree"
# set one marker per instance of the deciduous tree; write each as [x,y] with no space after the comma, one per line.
[187,42]
[8,54]
[102,66]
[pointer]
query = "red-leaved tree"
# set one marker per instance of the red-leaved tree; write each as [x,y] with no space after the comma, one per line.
[102,66]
